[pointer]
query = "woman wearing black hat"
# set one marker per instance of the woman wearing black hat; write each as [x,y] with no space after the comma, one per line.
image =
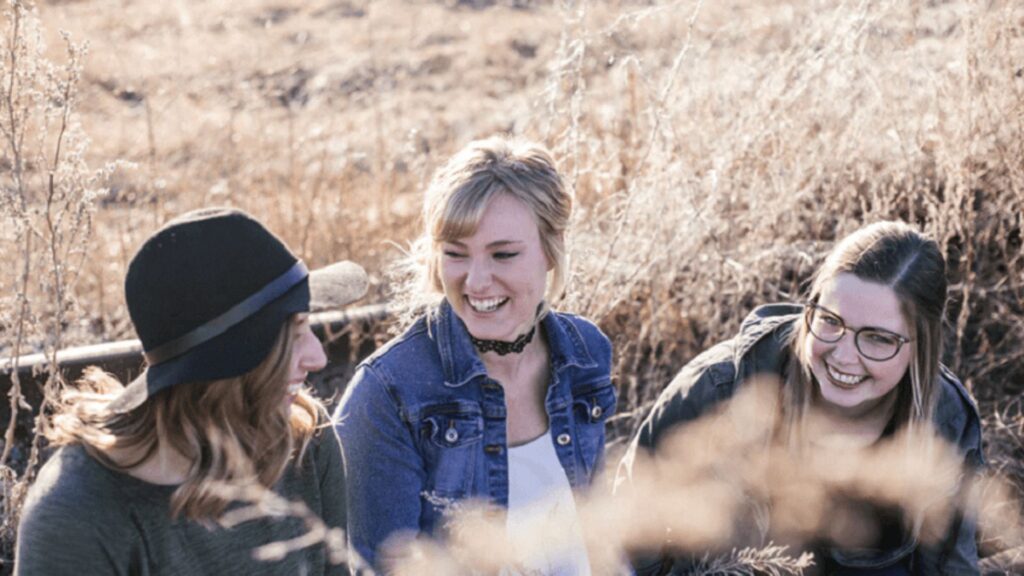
[145,471]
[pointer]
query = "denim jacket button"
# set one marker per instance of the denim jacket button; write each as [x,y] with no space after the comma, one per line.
[596,412]
[451,435]
[564,439]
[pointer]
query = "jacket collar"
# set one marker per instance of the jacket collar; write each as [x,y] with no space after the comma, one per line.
[461,363]
[761,345]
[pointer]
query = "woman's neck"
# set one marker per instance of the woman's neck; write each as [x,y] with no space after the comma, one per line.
[510,367]
[835,427]
[524,378]
[165,466]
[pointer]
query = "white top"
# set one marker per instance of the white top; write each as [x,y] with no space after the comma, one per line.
[542,522]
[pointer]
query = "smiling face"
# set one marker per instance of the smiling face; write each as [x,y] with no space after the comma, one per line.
[495,278]
[846,379]
[307,355]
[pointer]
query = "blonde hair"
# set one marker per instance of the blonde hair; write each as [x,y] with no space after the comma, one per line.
[232,430]
[896,255]
[459,193]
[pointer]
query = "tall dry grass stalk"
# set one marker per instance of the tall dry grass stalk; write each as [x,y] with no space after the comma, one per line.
[46,206]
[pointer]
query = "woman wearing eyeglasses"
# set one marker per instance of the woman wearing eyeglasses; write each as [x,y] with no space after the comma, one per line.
[858,365]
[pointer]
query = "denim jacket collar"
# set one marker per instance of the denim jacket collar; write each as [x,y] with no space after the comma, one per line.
[461,363]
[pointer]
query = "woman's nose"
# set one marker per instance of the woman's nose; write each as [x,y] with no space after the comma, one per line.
[311,352]
[845,350]
[478,277]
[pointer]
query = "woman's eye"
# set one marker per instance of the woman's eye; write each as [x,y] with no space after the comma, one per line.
[505,255]
[300,325]
[831,320]
[453,254]
[883,339]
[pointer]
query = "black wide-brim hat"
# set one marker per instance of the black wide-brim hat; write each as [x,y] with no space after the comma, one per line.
[209,294]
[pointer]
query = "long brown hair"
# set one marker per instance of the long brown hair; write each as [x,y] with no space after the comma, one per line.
[896,255]
[232,430]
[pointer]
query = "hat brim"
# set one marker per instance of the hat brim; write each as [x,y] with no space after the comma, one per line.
[337,285]
[248,342]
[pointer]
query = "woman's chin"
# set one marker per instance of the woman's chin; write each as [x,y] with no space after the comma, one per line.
[483,328]
[501,336]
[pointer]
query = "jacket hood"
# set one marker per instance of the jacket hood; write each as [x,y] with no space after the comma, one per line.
[761,345]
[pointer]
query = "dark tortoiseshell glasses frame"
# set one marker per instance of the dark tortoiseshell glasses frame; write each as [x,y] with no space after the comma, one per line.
[876,337]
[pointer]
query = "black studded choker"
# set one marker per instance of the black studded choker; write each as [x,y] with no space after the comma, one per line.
[501,347]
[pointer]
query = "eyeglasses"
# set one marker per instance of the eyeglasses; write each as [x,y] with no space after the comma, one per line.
[873,343]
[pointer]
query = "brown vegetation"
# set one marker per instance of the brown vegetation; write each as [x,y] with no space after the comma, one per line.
[717,149]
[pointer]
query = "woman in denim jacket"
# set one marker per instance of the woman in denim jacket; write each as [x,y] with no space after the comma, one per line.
[858,364]
[489,395]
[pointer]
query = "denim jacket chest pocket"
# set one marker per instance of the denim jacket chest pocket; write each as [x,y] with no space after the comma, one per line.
[591,409]
[449,437]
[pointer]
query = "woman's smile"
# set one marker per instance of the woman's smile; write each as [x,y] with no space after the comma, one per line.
[486,305]
[843,379]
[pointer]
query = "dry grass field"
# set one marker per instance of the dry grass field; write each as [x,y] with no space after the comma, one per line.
[716,150]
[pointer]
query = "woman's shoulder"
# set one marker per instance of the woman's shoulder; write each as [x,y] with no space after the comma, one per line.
[581,323]
[584,334]
[758,347]
[69,475]
[322,458]
[324,445]
[406,367]
[415,342]
[956,412]
[74,496]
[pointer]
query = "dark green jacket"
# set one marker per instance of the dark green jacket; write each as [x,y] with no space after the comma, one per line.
[760,349]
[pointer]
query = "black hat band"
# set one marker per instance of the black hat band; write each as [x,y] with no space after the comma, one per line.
[237,313]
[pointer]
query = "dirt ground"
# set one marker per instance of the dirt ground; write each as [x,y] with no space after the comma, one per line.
[168,79]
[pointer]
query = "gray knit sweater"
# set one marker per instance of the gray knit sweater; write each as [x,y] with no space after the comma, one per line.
[83,518]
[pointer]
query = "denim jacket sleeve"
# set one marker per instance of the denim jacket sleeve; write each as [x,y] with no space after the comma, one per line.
[701,384]
[377,446]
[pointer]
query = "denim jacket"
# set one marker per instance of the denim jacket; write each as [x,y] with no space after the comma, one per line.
[760,348]
[423,426]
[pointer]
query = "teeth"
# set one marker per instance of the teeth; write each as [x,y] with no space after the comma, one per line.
[488,305]
[294,388]
[847,379]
